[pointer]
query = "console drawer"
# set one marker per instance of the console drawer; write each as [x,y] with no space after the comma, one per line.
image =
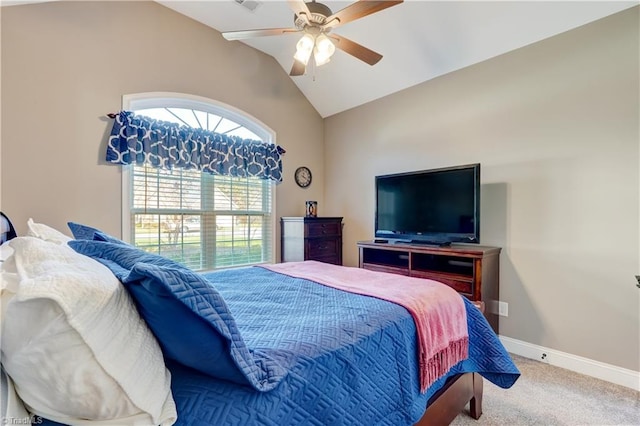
[459,284]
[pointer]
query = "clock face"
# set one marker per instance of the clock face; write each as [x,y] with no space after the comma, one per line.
[303,177]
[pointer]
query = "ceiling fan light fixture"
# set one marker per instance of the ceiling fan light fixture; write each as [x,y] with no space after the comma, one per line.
[323,50]
[316,20]
[304,47]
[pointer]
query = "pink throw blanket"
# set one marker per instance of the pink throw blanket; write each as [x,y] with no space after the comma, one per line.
[438,310]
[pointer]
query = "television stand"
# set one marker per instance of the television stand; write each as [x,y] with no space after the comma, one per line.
[470,269]
[432,243]
[424,243]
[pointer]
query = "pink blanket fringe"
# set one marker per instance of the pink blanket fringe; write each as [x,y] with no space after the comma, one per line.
[437,310]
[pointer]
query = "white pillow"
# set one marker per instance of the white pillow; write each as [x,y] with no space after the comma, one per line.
[47,233]
[9,282]
[74,344]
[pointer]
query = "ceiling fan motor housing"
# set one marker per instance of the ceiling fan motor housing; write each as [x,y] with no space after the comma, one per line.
[319,13]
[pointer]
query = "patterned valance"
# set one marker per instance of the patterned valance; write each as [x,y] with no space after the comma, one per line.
[143,140]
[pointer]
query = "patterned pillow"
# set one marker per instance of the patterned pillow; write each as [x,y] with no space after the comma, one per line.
[7,231]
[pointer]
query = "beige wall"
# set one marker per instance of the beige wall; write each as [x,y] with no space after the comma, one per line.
[555,127]
[66,64]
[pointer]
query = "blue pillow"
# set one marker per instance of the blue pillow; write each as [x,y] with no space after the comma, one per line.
[81,232]
[85,232]
[124,255]
[102,236]
[186,313]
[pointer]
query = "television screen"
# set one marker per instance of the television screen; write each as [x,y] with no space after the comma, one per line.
[436,206]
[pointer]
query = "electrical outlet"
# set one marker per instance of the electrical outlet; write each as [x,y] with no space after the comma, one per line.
[503,309]
[544,358]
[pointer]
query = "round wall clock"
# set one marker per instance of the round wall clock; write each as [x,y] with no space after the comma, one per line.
[303,177]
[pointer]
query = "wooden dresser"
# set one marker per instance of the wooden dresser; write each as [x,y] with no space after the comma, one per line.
[469,269]
[311,238]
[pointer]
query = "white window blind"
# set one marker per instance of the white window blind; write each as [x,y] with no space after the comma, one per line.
[201,220]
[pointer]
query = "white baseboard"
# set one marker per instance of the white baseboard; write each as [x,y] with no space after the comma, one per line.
[599,370]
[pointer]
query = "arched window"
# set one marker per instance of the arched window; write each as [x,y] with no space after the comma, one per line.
[202,220]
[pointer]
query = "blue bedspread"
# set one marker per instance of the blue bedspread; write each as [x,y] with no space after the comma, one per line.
[348,359]
[351,359]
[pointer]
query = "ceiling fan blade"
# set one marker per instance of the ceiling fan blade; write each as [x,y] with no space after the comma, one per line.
[241,35]
[355,49]
[298,68]
[358,10]
[300,8]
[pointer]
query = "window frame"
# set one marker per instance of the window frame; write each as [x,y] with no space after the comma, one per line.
[137,101]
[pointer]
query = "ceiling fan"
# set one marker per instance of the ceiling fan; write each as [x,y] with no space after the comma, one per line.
[316,21]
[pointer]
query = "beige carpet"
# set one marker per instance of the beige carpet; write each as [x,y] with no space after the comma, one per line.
[548,395]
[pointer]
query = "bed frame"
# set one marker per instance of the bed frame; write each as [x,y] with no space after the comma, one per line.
[448,402]
[451,400]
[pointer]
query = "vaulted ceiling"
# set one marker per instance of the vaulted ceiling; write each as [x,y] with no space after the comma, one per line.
[419,40]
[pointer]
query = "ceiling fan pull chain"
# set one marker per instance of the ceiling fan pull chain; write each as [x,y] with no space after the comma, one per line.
[312,63]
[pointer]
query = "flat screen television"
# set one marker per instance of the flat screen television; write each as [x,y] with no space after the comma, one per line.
[438,206]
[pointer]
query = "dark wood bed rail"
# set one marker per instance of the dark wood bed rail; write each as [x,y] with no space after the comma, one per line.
[451,400]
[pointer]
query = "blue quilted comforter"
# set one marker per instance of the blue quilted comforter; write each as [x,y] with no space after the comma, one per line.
[351,359]
[347,359]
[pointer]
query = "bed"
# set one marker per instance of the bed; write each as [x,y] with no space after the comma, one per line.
[263,348]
